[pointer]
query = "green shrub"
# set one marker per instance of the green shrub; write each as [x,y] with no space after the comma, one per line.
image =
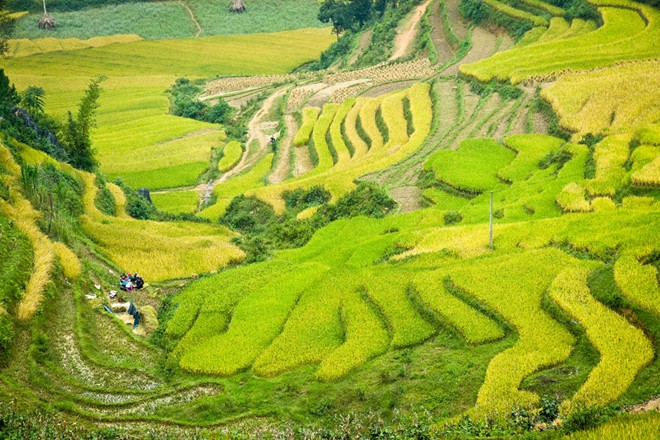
[559,158]
[249,215]
[300,199]
[479,12]
[366,199]
[452,217]
[184,103]
[105,201]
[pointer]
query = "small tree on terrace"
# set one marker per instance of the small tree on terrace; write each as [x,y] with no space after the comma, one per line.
[76,131]
[237,6]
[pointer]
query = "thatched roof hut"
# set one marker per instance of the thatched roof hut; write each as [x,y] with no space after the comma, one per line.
[237,6]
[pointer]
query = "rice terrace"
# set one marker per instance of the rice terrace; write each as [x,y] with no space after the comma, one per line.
[336,219]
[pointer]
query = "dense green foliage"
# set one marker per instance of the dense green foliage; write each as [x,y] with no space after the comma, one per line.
[58,196]
[6,27]
[350,17]
[14,273]
[184,103]
[12,126]
[264,231]
[481,12]
[105,202]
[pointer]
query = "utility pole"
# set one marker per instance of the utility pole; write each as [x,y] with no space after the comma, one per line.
[490,240]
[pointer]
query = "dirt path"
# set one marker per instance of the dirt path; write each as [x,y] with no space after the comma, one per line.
[192,17]
[363,43]
[281,171]
[651,405]
[256,131]
[409,198]
[407,33]
[257,128]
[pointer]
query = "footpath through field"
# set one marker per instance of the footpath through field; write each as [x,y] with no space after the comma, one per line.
[406,34]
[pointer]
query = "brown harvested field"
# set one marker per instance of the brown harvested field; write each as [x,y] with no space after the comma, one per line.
[447,105]
[363,43]
[384,89]
[506,43]
[408,198]
[438,38]
[455,19]
[498,125]
[326,94]
[303,161]
[283,165]
[483,46]
[472,120]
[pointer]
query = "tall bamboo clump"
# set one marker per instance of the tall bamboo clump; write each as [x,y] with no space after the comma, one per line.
[47,22]
[237,6]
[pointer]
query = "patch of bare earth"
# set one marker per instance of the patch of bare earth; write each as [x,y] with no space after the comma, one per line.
[651,405]
[455,19]
[438,37]
[303,161]
[506,43]
[324,95]
[299,95]
[540,123]
[447,105]
[408,197]
[281,171]
[240,100]
[484,115]
[499,122]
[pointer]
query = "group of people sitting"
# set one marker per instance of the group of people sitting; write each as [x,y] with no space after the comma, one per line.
[130,282]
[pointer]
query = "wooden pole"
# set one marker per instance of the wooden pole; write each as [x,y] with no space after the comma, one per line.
[490,240]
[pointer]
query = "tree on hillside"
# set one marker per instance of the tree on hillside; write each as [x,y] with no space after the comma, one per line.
[338,14]
[237,6]
[76,132]
[8,95]
[6,28]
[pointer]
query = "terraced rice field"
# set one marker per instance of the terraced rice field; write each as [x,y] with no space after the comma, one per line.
[137,140]
[158,250]
[629,33]
[415,310]
[338,178]
[587,101]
